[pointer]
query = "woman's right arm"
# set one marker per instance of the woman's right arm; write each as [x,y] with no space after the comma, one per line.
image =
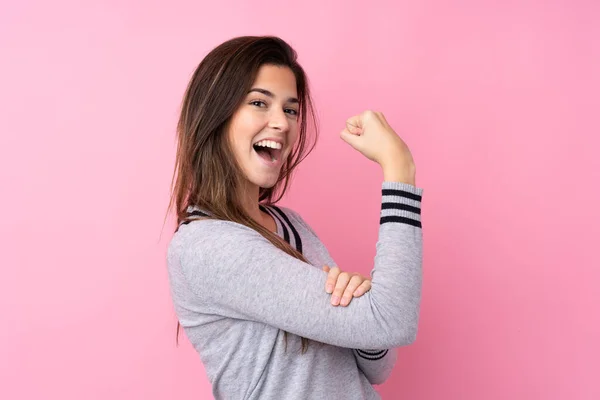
[234,271]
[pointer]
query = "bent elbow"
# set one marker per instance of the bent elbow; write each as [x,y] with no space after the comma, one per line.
[412,337]
[378,381]
[408,336]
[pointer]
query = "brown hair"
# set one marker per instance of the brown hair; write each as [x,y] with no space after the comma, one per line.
[206,175]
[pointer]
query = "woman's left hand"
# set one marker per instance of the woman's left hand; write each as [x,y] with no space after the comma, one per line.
[345,285]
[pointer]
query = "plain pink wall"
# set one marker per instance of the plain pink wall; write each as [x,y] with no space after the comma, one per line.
[497,100]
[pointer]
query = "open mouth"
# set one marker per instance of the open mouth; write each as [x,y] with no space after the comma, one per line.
[268,150]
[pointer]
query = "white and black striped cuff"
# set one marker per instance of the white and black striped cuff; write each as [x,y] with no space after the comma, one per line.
[401,203]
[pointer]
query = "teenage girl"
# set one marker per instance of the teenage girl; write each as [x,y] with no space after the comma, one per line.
[249,279]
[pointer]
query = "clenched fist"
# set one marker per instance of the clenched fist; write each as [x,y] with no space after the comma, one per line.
[373,137]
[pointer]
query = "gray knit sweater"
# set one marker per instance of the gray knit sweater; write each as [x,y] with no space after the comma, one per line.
[235,293]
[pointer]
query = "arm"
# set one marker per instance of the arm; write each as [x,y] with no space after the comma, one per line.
[376,365]
[235,272]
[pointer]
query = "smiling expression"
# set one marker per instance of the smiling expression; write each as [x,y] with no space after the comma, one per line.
[263,130]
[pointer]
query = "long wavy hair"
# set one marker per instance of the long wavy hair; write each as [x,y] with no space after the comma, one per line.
[206,175]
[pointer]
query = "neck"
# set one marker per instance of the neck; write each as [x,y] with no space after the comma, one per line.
[250,202]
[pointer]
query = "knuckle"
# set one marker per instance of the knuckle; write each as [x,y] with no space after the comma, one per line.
[340,288]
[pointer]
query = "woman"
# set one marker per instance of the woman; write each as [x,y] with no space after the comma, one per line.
[244,272]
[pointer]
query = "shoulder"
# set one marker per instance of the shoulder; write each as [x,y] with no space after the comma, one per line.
[209,237]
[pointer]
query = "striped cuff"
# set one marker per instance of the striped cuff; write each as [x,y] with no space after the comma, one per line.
[401,203]
[371,354]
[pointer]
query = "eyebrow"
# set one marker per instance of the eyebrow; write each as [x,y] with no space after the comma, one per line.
[270,94]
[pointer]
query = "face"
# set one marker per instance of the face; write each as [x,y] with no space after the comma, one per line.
[264,128]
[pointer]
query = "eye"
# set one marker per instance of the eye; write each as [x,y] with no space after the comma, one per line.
[258,103]
[291,111]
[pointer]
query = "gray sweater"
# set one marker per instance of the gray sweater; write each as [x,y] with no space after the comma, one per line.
[235,293]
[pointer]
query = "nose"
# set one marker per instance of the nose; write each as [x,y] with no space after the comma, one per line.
[279,120]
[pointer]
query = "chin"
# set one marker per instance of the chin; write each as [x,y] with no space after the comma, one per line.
[265,183]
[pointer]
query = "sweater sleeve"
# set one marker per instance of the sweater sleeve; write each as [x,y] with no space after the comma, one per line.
[235,272]
[376,365]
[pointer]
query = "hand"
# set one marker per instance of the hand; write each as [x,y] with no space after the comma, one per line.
[371,135]
[345,285]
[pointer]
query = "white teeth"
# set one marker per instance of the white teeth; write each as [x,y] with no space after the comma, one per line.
[269,143]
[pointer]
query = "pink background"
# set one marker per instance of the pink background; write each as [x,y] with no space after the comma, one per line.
[498,102]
